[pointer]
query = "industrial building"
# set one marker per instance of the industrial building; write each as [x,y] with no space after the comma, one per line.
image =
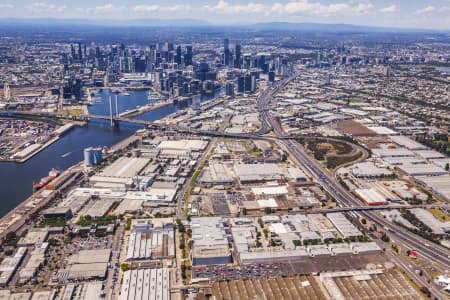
[36,260]
[10,264]
[252,173]
[151,240]
[216,174]
[183,145]
[371,196]
[146,284]
[63,212]
[343,225]
[296,174]
[33,236]
[377,284]
[395,152]
[429,220]
[408,143]
[210,242]
[439,184]
[88,264]
[369,170]
[125,167]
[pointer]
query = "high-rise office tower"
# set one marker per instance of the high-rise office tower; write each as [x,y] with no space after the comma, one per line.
[80,53]
[178,56]
[226,52]
[188,56]
[237,56]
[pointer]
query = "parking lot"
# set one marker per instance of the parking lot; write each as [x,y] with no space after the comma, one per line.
[307,266]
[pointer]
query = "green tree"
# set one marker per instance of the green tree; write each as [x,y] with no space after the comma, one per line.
[124,267]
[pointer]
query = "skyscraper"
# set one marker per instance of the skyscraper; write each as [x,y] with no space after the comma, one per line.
[226,52]
[237,56]
[188,56]
[178,56]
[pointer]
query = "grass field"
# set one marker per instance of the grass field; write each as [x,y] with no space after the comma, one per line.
[439,214]
[73,112]
[355,100]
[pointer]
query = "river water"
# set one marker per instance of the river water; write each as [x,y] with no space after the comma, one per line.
[16,179]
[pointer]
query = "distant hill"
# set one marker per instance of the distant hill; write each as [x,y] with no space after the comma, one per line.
[269,26]
[327,27]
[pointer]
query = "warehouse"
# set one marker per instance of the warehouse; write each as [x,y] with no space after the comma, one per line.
[273,256]
[210,241]
[369,284]
[425,169]
[436,226]
[216,174]
[90,256]
[340,249]
[91,290]
[74,202]
[183,145]
[98,181]
[88,264]
[381,130]
[27,151]
[63,212]
[10,264]
[365,248]
[430,154]
[439,184]
[369,170]
[146,284]
[296,174]
[371,196]
[98,208]
[318,251]
[249,173]
[33,236]
[153,194]
[125,167]
[408,143]
[270,191]
[396,152]
[151,245]
[128,206]
[343,225]
[87,271]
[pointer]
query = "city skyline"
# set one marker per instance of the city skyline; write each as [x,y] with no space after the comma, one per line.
[386,13]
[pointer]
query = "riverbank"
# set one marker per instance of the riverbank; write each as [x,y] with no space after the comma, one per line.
[15,219]
[32,150]
[149,107]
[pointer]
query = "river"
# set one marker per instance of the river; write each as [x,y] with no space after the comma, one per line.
[16,179]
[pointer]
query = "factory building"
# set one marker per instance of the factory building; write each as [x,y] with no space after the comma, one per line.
[371,196]
[9,266]
[146,284]
[343,225]
[210,241]
[151,240]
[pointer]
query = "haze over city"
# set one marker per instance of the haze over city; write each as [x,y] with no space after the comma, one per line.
[385,13]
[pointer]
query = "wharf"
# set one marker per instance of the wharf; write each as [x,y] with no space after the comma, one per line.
[35,150]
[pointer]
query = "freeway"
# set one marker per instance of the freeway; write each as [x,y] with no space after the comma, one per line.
[409,240]
[437,254]
[403,238]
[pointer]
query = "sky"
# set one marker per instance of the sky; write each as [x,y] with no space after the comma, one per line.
[426,14]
